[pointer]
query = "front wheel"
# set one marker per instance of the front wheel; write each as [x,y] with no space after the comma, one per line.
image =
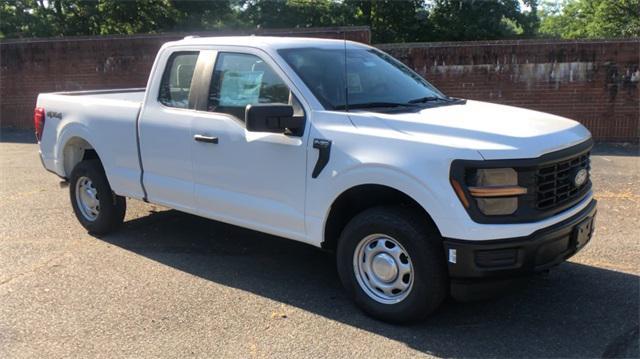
[392,264]
[98,209]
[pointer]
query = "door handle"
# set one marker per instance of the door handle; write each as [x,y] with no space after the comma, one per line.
[206,139]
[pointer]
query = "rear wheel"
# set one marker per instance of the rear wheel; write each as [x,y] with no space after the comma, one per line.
[98,209]
[392,264]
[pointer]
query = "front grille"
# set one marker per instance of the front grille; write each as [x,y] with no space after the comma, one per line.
[549,180]
[555,182]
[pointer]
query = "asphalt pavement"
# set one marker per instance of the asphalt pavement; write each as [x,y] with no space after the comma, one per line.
[170,284]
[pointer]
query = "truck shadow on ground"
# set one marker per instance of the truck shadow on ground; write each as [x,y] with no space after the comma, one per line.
[576,311]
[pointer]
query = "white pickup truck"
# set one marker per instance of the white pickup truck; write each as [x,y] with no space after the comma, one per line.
[338,145]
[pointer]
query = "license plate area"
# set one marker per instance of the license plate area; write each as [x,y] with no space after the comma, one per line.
[582,233]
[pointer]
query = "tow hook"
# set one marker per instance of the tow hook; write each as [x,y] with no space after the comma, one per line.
[64,184]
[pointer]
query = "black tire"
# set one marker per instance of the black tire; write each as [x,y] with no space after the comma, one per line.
[423,245]
[112,207]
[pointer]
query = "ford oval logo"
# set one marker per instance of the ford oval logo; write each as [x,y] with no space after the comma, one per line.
[580,177]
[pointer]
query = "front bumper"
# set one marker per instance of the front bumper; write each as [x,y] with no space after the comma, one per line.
[515,257]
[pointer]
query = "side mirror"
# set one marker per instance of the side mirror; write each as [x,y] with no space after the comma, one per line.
[273,118]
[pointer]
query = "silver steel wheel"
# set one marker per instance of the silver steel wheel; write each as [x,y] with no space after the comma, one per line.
[87,198]
[383,269]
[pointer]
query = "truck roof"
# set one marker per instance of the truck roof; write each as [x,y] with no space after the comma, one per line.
[267,42]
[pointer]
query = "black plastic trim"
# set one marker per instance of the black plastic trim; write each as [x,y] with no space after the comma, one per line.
[206,139]
[324,148]
[526,169]
[539,251]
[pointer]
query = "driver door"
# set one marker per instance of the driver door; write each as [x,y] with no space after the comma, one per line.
[252,179]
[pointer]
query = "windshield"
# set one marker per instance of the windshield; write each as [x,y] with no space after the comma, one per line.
[374,78]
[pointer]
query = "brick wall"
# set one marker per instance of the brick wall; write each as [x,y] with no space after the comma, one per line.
[594,82]
[31,66]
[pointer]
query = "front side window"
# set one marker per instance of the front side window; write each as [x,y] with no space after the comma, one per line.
[176,79]
[239,80]
[374,78]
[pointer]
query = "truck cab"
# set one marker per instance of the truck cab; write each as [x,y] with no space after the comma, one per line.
[338,145]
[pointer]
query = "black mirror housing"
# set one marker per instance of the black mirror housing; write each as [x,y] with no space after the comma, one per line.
[273,118]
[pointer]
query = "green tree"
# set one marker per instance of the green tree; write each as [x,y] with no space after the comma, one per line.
[291,13]
[199,15]
[25,18]
[389,20]
[137,16]
[20,18]
[40,18]
[455,20]
[591,19]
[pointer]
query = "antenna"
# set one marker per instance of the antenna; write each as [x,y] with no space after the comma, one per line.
[346,80]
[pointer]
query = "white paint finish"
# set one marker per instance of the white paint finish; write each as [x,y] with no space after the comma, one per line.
[465,228]
[165,148]
[371,153]
[106,123]
[413,153]
[262,181]
[258,178]
[497,131]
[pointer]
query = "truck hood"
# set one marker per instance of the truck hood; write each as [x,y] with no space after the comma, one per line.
[495,131]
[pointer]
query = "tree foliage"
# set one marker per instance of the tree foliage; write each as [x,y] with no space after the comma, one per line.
[389,20]
[591,19]
[401,21]
[26,18]
[291,13]
[482,20]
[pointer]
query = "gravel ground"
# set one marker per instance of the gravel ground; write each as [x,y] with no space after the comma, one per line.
[175,285]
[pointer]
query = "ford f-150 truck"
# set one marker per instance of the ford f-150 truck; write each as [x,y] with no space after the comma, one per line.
[338,145]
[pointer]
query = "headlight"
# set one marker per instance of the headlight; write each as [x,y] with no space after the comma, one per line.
[496,190]
[496,177]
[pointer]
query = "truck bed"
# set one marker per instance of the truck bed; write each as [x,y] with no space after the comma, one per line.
[107,121]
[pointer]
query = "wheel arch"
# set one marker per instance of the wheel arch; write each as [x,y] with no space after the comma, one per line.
[74,143]
[358,198]
[74,150]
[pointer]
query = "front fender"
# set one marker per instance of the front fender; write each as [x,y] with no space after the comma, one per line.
[428,194]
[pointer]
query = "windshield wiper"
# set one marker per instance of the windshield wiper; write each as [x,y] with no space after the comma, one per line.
[427,99]
[412,103]
[436,98]
[374,105]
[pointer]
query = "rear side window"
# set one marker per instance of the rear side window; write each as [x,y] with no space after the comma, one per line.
[176,79]
[242,79]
